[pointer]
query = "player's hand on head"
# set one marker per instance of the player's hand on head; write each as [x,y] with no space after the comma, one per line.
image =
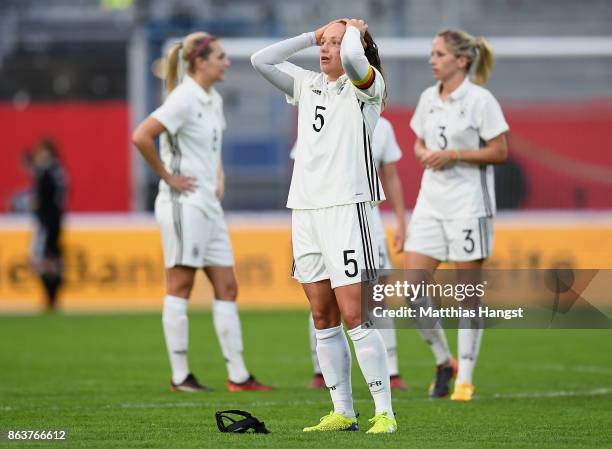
[183,184]
[361,25]
[319,32]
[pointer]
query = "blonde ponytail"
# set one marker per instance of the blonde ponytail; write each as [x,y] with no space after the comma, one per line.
[484,61]
[477,51]
[172,62]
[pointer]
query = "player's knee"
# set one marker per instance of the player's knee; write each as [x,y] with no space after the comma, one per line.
[180,286]
[324,319]
[352,318]
[227,290]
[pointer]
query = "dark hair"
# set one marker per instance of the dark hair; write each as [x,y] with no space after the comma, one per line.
[50,145]
[371,52]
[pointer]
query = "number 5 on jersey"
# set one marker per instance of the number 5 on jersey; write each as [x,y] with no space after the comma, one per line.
[319,119]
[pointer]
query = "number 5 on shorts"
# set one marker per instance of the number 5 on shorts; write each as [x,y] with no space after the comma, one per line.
[348,261]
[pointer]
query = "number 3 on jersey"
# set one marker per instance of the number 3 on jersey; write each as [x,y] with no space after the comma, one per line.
[443,141]
[319,119]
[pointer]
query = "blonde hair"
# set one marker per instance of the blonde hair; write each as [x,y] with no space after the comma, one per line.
[477,50]
[184,53]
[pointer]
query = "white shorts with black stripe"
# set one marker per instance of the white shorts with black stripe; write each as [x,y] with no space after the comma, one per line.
[459,240]
[335,243]
[191,238]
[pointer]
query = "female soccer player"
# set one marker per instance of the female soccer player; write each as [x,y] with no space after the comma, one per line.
[386,153]
[461,131]
[333,187]
[188,209]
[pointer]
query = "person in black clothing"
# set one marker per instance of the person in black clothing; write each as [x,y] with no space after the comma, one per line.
[48,198]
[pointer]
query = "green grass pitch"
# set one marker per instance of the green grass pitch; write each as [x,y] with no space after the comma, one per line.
[105,378]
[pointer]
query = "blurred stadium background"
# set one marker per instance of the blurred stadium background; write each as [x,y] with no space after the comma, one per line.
[82,73]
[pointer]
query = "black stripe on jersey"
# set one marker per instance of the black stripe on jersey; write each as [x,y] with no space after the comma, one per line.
[375,172]
[371,169]
[367,159]
[293,268]
[177,207]
[485,188]
[485,191]
[175,162]
[369,237]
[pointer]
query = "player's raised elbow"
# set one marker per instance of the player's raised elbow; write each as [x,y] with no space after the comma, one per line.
[257,61]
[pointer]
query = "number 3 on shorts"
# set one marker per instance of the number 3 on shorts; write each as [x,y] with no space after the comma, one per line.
[469,241]
[350,262]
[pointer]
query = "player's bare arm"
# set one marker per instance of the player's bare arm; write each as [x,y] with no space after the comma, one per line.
[144,138]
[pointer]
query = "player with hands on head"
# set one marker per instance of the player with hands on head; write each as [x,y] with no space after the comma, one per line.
[190,125]
[333,188]
[460,132]
[386,153]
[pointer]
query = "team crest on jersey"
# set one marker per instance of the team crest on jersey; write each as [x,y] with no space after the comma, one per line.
[341,87]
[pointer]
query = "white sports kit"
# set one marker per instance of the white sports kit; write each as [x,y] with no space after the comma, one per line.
[335,180]
[452,219]
[192,225]
[386,151]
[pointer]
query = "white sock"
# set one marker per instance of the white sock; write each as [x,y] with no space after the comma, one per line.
[335,361]
[313,345]
[371,355]
[227,326]
[432,332]
[176,332]
[468,346]
[387,332]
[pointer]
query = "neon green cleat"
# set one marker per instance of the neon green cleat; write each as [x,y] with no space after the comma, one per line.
[383,423]
[334,421]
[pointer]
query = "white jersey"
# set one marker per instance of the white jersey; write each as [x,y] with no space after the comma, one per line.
[386,151]
[191,146]
[384,144]
[334,163]
[469,117]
